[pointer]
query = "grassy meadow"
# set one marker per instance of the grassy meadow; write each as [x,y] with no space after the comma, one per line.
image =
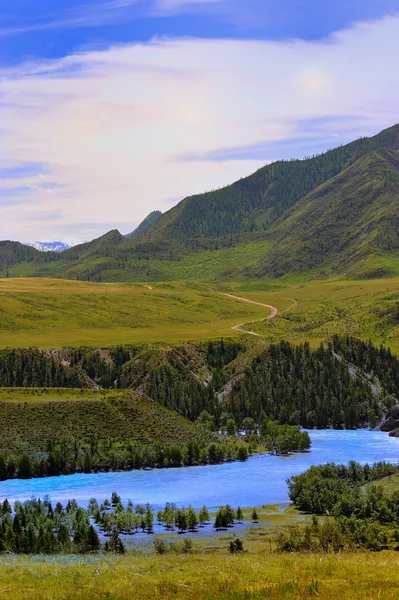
[57,313]
[367,309]
[203,576]
[209,571]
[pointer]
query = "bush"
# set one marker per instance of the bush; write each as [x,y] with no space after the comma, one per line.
[236,546]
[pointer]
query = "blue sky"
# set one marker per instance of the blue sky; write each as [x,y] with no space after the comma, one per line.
[98,96]
[49,29]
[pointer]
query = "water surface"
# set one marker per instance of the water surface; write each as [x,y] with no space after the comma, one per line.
[260,480]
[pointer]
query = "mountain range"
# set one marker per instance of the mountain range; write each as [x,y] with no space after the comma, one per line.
[333,214]
[49,246]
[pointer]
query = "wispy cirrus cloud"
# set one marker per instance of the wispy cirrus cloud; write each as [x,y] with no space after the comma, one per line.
[85,15]
[98,14]
[110,131]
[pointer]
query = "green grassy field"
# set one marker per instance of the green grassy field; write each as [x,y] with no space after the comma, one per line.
[366,309]
[390,484]
[55,313]
[203,576]
[209,571]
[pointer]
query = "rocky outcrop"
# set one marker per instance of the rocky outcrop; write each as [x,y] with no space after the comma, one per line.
[389,424]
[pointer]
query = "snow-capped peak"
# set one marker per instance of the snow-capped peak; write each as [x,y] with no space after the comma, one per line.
[50,246]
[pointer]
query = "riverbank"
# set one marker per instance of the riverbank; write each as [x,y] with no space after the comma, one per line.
[259,481]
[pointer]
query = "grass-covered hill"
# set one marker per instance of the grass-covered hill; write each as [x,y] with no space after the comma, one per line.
[30,418]
[350,224]
[333,213]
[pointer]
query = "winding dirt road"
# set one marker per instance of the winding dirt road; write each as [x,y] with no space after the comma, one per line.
[273,313]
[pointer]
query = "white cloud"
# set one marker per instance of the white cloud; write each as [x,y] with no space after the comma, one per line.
[315,82]
[109,127]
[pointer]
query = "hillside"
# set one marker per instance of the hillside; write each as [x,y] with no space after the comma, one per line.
[341,224]
[30,419]
[151,218]
[347,383]
[335,213]
[255,203]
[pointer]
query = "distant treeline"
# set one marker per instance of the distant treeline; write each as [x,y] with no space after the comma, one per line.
[297,385]
[67,368]
[69,456]
[377,361]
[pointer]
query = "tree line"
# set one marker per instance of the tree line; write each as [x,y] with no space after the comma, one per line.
[312,387]
[357,516]
[68,456]
[36,527]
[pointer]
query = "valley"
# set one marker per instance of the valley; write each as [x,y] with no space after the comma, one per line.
[51,313]
[238,341]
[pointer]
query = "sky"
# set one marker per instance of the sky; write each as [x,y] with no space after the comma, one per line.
[110,109]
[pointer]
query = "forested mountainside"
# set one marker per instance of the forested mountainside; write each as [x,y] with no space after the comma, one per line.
[333,213]
[256,202]
[347,383]
[151,218]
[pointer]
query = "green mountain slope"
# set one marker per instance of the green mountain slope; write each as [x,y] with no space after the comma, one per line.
[336,213]
[149,220]
[256,202]
[12,253]
[342,225]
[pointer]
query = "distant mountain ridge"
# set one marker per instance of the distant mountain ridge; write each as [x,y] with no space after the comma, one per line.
[333,214]
[49,246]
[149,220]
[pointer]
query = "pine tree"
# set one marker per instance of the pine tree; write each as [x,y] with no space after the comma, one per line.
[203,515]
[3,468]
[93,541]
[25,467]
[192,519]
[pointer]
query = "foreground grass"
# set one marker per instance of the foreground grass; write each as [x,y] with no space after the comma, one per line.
[209,572]
[202,576]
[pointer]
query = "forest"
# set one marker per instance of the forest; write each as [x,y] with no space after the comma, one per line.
[345,383]
[316,387]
